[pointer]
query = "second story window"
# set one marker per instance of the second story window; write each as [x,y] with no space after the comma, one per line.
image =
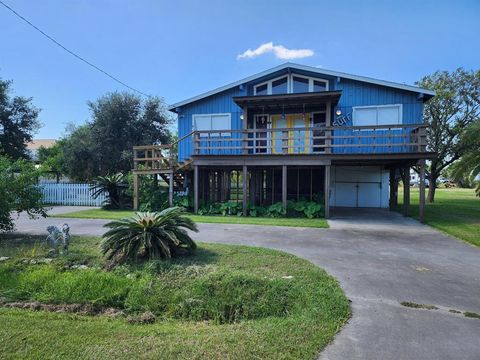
[377,115]
[292,83]
[299,84]
[280,86]
[212,122]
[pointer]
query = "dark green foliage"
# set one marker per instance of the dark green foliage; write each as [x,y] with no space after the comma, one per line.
[210,208]
[18,123]
[302,208]
[231,208]
[184,201]
[118,122]
[52,160]
[18,191]
[309,209]
[81,159]
[149,236]
[449,114]
[468,167]
[115,186]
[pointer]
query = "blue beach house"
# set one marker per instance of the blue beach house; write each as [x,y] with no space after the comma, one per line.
[295,132]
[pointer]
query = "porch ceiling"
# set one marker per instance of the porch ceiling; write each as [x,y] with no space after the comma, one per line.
[288,100]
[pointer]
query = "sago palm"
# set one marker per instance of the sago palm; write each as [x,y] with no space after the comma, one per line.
[148,235]
[114,185]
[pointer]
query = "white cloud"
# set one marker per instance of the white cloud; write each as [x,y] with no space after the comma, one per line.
[280,51]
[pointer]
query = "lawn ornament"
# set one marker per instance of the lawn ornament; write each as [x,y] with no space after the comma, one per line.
[57,236]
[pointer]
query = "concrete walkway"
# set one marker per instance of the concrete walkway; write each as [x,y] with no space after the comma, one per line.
[380,259]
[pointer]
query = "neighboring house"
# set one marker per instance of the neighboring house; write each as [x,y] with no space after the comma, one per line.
[295,132]
[35,144]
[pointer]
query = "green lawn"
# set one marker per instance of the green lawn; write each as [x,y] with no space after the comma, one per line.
[224,302]
[118,214]
[455,211]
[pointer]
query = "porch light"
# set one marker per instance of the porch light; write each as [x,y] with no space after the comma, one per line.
[241,117]
[338,112]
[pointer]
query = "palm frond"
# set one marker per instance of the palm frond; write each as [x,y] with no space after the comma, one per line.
[149,235]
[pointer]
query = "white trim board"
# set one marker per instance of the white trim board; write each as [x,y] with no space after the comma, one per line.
[320,71]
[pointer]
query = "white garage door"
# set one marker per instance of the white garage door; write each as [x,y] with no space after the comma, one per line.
[360,187]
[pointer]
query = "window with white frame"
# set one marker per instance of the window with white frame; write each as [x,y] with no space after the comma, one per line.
[292,83]
[377,115]
[212,122]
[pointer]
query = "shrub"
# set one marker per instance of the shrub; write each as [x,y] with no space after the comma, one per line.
[309,209]
[275,210]
[18,191]
[148,236]
[114,185]
[231,208]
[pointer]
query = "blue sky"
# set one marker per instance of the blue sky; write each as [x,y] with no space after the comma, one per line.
[178,49]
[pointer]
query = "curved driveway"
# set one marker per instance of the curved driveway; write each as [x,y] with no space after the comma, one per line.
[381,259]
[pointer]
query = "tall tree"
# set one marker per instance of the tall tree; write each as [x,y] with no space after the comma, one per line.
[448,114]
[18,122]
[468,167]
[51,160]
[119,122]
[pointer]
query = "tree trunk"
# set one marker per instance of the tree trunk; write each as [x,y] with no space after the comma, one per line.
[432,186]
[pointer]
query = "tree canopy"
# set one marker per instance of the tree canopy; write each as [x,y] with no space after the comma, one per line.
[449,114]
[18,122]
[118,122]
[18,191]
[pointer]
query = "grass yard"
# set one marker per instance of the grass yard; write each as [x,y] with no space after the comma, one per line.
[455,211]
[118,214]
[224,302]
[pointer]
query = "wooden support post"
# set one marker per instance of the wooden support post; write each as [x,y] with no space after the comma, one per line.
[393,189]
[421,202]
[170,189]
[244,185]
[284,187]
[327,191]
[406,191]
[245,134]
[195,188]
[135,191]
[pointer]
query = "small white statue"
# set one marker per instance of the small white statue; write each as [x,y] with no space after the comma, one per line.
[57,236]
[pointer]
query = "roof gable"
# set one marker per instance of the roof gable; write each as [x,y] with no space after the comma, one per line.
[311,69]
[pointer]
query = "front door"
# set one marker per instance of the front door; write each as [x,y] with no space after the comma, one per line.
[293,141]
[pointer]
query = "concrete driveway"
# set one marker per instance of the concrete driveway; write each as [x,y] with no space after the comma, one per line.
[381,259]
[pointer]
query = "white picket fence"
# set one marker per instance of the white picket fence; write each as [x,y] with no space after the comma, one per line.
[70,194]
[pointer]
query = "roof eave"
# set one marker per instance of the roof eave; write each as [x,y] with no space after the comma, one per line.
[322,71]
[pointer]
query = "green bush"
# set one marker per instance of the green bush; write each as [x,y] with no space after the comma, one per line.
[18,191]
[231,208]
[148,236]
[302,208]
[309,209]
[275,210]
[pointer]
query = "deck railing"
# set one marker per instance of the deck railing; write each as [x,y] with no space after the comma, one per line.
[410,138]
[157,157]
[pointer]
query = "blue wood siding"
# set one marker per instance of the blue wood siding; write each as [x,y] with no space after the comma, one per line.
[354,93]
[220,103]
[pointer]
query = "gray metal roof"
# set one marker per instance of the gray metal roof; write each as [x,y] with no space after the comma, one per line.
[312,69]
